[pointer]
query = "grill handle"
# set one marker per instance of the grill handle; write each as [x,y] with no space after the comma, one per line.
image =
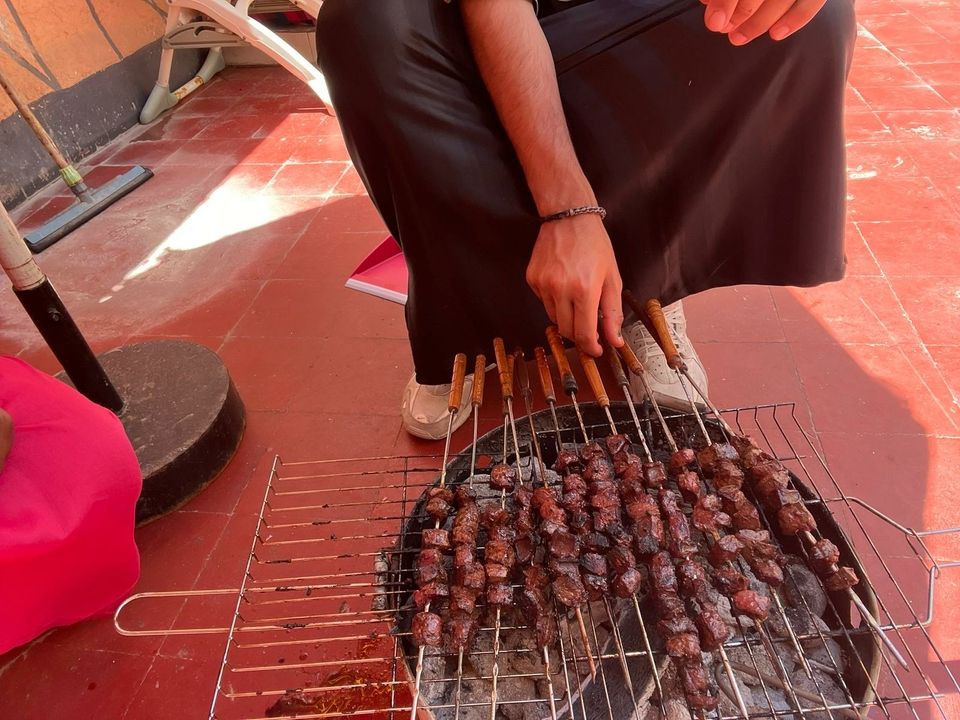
[170,631]
[456,382]
[479,374]
[630,358]
[592,372]
[570,386]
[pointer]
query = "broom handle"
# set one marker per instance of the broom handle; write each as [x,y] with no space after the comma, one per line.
[69,173]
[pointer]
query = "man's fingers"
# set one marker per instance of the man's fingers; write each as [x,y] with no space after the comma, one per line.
[585,325]
[761,21]
[718,13]
[744,11]
[611,315]
[795,18]
[564,317]
[551,307]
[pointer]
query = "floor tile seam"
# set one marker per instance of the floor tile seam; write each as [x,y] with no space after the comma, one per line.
[923,348]
[133,695]
[228,335]
[807,406]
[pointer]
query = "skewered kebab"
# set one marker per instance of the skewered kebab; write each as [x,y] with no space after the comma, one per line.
[427,628]
[748,452]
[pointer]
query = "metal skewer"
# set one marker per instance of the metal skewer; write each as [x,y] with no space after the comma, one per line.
[476,401]
[615,629]
[661,332]
[453,405]
[571,388]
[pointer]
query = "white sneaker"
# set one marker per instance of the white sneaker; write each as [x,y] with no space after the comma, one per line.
[424,408]
[665,382]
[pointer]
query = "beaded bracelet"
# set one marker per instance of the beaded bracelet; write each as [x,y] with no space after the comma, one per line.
[573,212]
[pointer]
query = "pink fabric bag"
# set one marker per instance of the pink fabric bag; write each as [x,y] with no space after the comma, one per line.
[67,496]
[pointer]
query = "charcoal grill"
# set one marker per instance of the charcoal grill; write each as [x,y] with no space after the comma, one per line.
[323,601]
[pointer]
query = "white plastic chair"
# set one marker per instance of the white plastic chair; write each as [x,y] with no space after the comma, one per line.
[215,24]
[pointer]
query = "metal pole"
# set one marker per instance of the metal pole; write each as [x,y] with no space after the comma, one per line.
[52,320]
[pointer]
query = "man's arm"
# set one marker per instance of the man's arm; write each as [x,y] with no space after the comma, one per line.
[572,268]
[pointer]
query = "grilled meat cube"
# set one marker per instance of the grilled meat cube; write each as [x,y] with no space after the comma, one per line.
[564,546]
[463,555]
[445,493]
[788,497]
[692,579]
[642,506]
[693,680]
[627,583]
[472,576]
[710,456]
[580,522]
[604,497]
[708,517]
[727,474]
[566,460]
[545,628]
[676,626]
[590,451]
[743,443]
[549,527]
[504,533]
[767,468]
[524,547]
[646,542]
[568,590]
[669,606]
[430,567]
[746,518]
[620,560]
[769,571]
[654,475]
[618,444]
[662,575]
[605,517]
[752,604]
[463,601]
[574,483]
[464,495]
[428,592]
[729,580]
[725,550]
[683,645]
[427,629]
[544,495]
[435,538]
[732,499]
[593,563]
[461,630]
[503,477]
[533,601]
[689,485]
[573,502]
[628,467]
[795,519]
[535,577]
[523,496]
[681,460]
[496,573]
[466,525]
[499,594]
[768,489]
[700,701]
[525,522]
[757,545]
[712,629]
[438,508]
[551,512]
[595,542]
[823,556]
[842,579]
[596,585]
[678,528]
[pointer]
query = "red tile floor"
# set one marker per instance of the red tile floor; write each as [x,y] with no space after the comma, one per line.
[244,238]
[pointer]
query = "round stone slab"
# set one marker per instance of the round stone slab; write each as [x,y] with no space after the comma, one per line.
[182,414]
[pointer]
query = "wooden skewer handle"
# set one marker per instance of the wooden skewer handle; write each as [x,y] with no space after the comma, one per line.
[630,358]
[570,386]
[592,372]
[456,384]
[504,368]
[479,374]
[651,314]
[546,379]
[619,376]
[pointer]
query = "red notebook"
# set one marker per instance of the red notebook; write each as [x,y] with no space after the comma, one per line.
[382,273]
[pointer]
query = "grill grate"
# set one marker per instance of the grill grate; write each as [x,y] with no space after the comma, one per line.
[331,567]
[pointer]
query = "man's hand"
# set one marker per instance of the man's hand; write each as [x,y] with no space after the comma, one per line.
[574,273]
[746,20]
